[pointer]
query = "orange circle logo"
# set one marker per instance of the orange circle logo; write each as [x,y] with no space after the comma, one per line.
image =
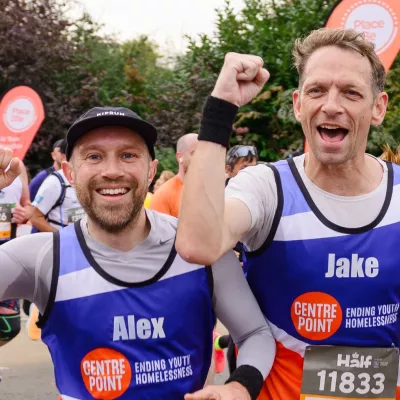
[316,315]
[107,373]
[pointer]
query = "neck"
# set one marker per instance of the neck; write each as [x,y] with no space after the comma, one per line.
[355,177]
[134,234]
[56,166]
[181,173]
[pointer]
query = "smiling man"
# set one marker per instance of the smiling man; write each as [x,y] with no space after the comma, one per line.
[322,228]
[123,315]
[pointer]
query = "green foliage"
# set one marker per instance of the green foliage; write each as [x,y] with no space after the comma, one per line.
[166,157]
[389,131]
[268,28]
[75,68]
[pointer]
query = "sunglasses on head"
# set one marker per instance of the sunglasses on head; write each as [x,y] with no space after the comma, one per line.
[244,151]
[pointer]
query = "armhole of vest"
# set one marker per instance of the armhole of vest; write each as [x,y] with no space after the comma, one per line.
[277,216]
[210,280]
[54,280]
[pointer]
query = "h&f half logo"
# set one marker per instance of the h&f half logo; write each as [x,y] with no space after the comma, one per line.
[356,267]
[354,362]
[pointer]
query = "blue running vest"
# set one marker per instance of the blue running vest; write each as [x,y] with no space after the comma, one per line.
[115,340]
[321,284]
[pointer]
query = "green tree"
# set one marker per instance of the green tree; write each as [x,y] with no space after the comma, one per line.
[266,28]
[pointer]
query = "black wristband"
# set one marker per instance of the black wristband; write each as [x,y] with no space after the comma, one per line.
[217,120]
[249,377]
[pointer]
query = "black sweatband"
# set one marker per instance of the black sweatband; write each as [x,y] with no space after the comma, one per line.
[217,120]
[249,377]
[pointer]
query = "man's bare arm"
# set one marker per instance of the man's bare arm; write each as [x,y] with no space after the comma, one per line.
[39,222]
[208,227]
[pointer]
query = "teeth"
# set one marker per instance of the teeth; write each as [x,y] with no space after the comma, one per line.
[113,191]
[330,126]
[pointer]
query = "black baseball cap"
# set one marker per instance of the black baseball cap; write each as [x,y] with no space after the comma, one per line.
[111,116]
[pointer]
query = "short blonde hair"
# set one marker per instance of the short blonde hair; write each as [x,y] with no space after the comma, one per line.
[389,155]
[166,175]
[347,39]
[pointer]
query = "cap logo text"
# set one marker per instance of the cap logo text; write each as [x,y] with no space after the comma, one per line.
[110,113]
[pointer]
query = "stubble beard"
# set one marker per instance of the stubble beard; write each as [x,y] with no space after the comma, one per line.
[112,218]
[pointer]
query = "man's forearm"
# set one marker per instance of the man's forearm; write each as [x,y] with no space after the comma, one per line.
[201,227]
[202,211]
[42,225]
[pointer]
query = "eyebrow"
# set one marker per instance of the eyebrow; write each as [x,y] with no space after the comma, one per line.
[347,85]
[95,147]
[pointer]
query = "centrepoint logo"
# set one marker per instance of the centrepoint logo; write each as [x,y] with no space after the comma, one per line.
[20,115]
[376,19]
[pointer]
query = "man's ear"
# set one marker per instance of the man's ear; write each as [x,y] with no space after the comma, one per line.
[152,171]
[379,110]
[296,105]
[69,172]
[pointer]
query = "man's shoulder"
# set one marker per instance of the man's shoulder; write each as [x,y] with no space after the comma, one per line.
[36,243]
[257,174]
[169,186]
[166,192]
[162,220]
[54,179]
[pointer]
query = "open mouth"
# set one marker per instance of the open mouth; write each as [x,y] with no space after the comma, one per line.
[114,192]
[332,133]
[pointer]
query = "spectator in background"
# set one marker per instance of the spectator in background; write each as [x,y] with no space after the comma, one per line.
[389,155]
[37,181]
[164,177]
[167,199]
[56,204]
[239,157]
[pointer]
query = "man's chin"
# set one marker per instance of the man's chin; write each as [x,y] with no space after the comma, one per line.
[112,227]
[326,158]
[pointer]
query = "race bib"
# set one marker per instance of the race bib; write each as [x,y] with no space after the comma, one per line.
[5,220]
[336,373]
[75,214]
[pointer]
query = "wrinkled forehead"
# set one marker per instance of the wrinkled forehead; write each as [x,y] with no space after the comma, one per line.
[332,64]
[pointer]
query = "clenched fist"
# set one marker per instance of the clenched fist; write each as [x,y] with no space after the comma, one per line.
[8,175]
[241,78]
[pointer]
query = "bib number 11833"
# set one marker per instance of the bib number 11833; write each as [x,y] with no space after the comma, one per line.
[337,373]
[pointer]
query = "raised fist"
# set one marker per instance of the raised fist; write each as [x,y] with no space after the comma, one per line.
[10,167]
[241,78]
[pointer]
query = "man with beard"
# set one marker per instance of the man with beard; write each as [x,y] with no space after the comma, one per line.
[122,314]
[167,199]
